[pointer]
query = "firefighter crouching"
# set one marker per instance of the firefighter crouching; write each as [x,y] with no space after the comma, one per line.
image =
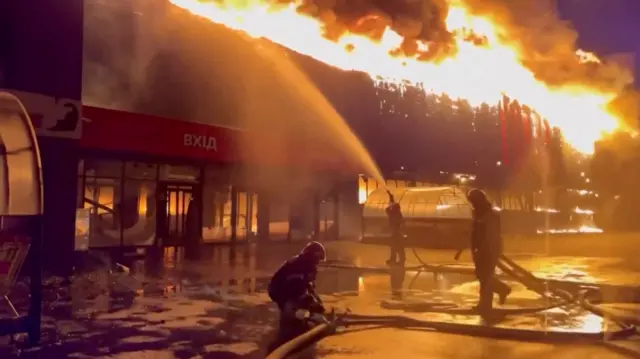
[486,249]
[292,288]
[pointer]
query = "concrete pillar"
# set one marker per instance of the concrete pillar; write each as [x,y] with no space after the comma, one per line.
[234,214]
[264,217]
[208,205]
[41,63]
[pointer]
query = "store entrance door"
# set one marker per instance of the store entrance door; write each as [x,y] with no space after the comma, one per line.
[173,204]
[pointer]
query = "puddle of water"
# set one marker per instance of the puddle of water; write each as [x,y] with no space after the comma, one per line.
[103,291]
[454,289]
[334,280]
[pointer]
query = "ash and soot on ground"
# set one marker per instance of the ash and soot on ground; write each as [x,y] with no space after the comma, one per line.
[476,50]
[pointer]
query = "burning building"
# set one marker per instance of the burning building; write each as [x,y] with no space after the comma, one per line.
[402,96]
[227,121]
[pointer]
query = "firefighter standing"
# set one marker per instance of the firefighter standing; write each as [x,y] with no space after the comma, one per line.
[486,249]
[396,226]
[292,288]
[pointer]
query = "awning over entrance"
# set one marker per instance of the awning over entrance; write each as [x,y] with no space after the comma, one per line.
[121,131]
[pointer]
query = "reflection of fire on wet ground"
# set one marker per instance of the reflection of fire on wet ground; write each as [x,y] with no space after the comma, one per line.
[462,291]
[572,318]
[578,269]
[577,230]
[212,308]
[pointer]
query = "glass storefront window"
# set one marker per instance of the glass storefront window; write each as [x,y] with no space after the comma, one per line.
[102,197]
[279,219]
[124,203]
[327,217]
[217,174]
[139,170]
[103,168]
[247,225]
[216,218]
[216,210]
[243,215]
[253,210]
[138,213]
[99,193]
[172,173]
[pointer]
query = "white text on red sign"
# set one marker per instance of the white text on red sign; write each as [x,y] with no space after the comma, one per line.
[200,141]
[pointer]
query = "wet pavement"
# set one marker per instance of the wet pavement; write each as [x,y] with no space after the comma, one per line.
[217,308]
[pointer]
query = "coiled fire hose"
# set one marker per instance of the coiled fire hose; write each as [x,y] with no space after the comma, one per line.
[587,296]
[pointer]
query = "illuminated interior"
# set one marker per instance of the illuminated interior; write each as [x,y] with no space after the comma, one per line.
[217,215]
[143,197]
[177,202]
[101,192]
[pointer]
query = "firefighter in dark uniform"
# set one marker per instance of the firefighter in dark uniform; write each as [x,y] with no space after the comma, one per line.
[396,226]
[486,249]
[293,289]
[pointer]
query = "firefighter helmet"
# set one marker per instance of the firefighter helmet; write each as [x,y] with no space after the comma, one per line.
[316,250]
[477,197]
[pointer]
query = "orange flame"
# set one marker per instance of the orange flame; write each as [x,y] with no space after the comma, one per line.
[478,73]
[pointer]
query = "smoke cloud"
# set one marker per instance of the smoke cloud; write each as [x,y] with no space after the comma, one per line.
[418,22]
[548,46]
[547,43]
[130,42]
[121,38]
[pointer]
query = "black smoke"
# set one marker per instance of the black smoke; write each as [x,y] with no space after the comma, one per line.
[136,49]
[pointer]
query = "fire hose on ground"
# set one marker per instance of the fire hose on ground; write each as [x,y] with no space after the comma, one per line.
[300,342]
[586,295]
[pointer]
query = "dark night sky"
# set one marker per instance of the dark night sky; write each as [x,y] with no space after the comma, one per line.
[606,26]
